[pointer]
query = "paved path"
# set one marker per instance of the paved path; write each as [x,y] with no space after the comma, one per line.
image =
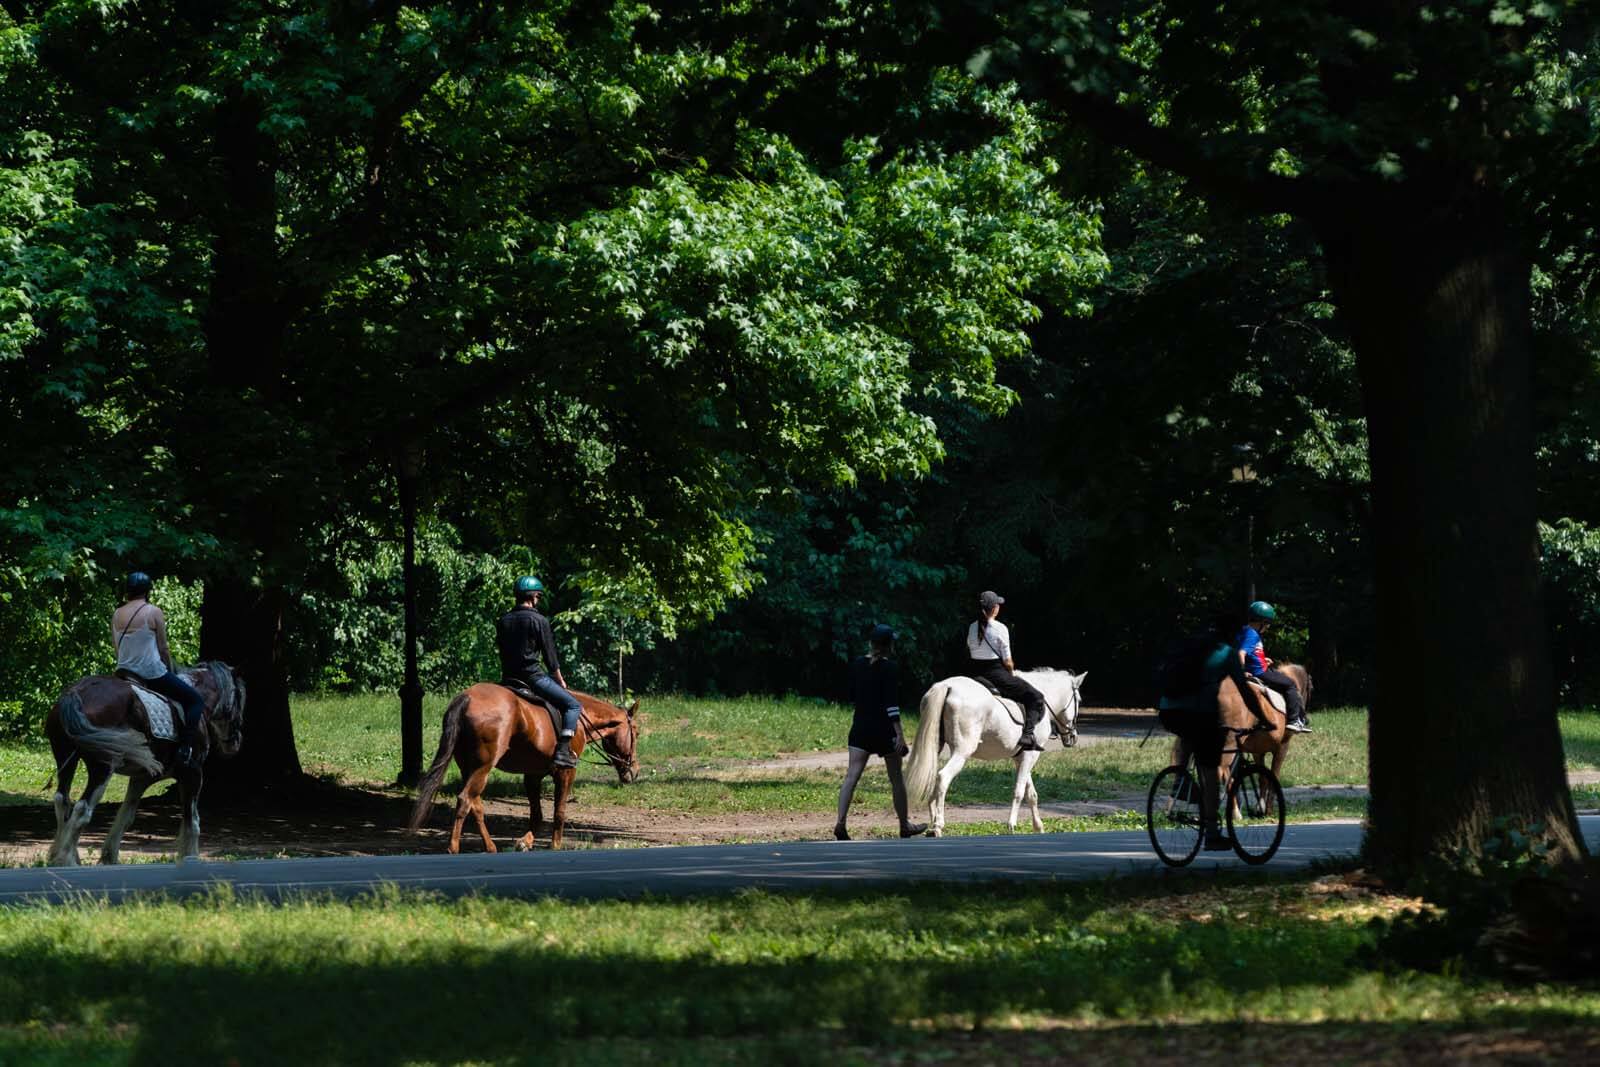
[702,869]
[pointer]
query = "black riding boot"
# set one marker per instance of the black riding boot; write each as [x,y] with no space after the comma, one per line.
[1030,721]
[564,756]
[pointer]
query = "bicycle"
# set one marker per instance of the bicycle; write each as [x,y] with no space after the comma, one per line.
[1252,805]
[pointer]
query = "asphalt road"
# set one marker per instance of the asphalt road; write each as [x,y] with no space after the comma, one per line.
[680,871]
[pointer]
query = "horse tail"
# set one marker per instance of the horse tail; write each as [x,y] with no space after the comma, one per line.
[118,746]
[441,761]
[922,765]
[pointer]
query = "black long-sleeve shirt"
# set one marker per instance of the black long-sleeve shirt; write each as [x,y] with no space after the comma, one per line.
[523,636]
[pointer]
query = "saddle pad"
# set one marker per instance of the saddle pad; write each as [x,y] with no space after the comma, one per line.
[1274,697]
[160,712]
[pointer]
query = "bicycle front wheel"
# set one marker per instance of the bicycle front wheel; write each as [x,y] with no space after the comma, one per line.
[1255,813]
[1172,816]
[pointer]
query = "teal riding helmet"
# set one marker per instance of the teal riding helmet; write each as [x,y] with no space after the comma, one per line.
[528,584]
[1262,610]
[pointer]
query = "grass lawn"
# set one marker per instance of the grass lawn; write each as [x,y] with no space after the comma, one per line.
[1101,972]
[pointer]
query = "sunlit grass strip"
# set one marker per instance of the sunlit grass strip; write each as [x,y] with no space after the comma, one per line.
[327,982]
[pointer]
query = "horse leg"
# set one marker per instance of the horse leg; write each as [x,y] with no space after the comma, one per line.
[1022,787]
[530,783]
[471,786]
[111,851]
[83,811]
[562,776]
[1279,754]
[63,805]
[941,786]
[1032,795]
[189,783]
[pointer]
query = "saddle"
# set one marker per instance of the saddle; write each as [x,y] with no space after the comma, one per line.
[1273,697]
[161,714]
[533,698]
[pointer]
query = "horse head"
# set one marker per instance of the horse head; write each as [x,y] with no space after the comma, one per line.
[227,712]
[620,743]
[1060,689]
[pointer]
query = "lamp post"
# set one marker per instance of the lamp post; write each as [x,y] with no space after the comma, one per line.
[1244,474]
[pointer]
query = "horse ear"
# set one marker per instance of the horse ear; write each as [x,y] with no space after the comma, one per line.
[1077,679]
[633,708]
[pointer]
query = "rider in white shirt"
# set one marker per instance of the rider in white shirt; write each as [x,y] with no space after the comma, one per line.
[989,649]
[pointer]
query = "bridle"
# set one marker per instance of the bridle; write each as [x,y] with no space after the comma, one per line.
[1067,728]
[593,733]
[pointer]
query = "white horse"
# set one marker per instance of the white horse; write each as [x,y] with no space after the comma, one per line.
[963,714]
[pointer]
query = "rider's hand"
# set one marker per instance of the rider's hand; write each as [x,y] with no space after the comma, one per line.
[901,749]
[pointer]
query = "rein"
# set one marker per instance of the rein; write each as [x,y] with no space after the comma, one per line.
[591,733]
[1066,729]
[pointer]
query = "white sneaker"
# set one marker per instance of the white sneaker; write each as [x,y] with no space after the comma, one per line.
[1299,726]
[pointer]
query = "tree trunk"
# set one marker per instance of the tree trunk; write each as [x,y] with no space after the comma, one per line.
[243,626]
[1463,725]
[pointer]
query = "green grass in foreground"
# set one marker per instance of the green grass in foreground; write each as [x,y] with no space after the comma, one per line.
[494,981]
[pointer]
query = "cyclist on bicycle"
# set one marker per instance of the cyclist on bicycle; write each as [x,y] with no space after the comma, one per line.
[1188,709]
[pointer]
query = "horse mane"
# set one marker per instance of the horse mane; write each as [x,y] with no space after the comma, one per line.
[229,689]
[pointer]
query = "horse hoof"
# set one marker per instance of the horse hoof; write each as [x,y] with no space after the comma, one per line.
[525,843]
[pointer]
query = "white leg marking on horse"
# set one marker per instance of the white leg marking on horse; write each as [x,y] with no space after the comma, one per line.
[112,850]
[58,847]
[82,812]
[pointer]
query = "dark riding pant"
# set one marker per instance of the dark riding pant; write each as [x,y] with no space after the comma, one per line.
[550,692]
[1198,728]
[194,705]
[1007,684]
[1291,693]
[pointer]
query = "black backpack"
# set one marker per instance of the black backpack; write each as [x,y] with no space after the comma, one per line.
[1181,670]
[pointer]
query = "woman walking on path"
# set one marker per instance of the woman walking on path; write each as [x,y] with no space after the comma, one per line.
[875,730]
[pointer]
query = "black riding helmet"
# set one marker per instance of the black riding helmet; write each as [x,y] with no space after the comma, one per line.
[137,584]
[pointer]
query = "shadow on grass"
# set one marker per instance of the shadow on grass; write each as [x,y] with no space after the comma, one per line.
[499,997]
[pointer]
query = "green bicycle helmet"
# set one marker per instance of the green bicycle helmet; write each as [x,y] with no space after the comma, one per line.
[528,584]
[1262,610]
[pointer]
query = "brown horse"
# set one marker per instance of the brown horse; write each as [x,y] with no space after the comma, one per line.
[101,722]
[503,730]
[1232,711]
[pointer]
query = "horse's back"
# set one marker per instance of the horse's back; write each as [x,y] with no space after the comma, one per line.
[499,725]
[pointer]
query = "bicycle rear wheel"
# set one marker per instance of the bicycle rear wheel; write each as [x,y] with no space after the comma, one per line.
[1255,813]
[1172,816]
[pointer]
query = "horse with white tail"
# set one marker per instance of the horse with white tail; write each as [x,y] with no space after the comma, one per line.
[976,724]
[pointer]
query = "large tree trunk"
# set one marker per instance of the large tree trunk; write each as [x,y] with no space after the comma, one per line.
[1463,726]
[243,626]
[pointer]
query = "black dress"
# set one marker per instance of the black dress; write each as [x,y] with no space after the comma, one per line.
[872,690]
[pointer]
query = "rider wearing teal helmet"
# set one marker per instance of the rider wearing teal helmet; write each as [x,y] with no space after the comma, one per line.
[1257,664]
[524,637]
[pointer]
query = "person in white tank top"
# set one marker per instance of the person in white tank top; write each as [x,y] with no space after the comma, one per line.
[139,636]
